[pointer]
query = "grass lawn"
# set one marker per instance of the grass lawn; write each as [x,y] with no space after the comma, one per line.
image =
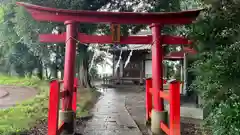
[23,116]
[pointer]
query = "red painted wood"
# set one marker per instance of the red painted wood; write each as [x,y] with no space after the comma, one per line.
[148,97]
[189,50]
[60,15]
[60,128]
[180,54]
[157,67]
[175,40]
[164,80]
[53,108]
[165,128]
[105,39]
[164,95]
[61,81]
[175,108]
[63,94]
[69,65]
[74,101]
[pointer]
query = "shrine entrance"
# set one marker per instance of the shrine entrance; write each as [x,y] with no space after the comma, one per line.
[62,122]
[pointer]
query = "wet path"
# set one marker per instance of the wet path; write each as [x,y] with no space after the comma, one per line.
[110,116]
[135,103]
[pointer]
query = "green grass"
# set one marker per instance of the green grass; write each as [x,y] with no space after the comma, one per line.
[25,115]
[87,99]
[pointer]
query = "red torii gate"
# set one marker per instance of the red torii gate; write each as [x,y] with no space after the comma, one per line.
[70,18]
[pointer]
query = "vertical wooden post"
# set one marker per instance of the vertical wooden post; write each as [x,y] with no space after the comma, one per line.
[182,76]
[118,73]
[141,71]
[53,108]
[74,101]
[157,67]
[148,99]
[174,108]
[185,73]
[69,65]
[114,64]
[121,68]
[158,114]
[67,114]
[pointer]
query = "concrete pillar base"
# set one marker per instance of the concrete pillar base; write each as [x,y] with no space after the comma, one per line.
[68,117]
[156,118]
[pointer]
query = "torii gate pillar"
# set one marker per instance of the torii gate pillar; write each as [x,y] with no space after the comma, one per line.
[67,114]
[157,73]
[158,113]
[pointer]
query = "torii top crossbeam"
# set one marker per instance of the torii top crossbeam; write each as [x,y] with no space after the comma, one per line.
[61,15]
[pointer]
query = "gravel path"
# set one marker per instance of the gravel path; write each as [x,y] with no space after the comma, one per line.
[12,95]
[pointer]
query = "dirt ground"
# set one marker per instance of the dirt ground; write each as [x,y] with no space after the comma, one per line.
[41,127]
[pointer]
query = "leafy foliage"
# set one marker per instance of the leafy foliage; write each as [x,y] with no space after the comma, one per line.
[217,66]
[217,81]
[18,27]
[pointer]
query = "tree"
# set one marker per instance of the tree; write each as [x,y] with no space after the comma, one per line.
[216,68]
[25,30]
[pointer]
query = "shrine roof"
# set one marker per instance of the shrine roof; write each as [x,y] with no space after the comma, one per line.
[178,55]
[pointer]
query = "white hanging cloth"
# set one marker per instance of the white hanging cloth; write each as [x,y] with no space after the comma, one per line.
[128,59]
[105,62]
[118,63]
[92,60]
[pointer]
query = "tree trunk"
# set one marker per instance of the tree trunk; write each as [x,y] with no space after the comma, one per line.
[40,70]
[56,72]
[53,71]
[83,74]
[56,61]
[46,73]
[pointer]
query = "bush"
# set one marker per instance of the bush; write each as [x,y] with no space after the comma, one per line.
[218,77]
[225,118]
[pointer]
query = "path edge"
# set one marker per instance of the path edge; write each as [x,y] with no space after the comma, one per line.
[131,116]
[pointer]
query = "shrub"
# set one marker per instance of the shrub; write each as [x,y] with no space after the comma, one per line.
[218,77]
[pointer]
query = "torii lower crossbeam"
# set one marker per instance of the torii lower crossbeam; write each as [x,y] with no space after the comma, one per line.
[105,39]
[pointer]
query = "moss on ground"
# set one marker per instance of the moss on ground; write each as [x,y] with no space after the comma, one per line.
[25,115]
